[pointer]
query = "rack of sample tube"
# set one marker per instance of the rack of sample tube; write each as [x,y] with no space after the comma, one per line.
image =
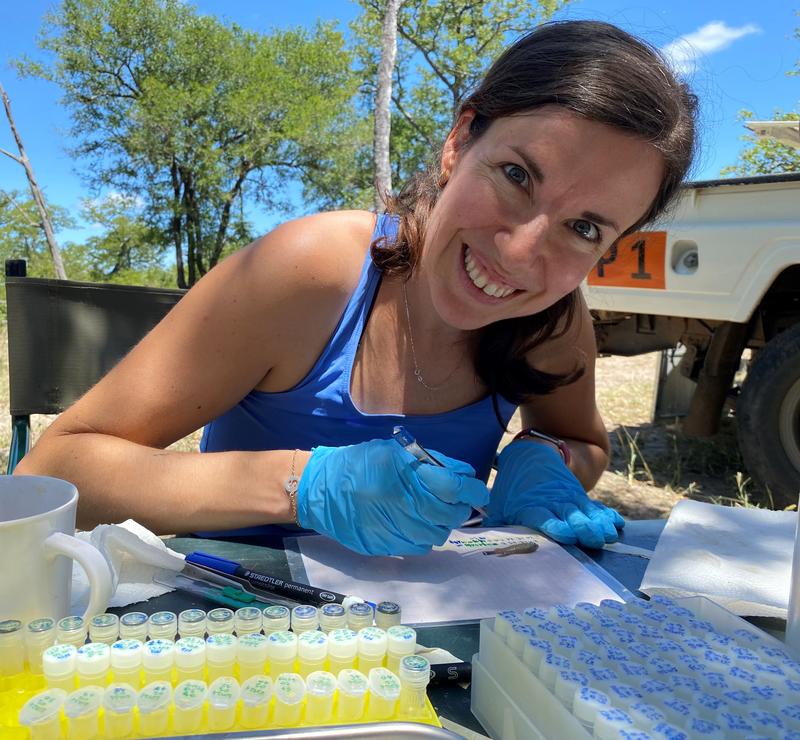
[198,672]
[659,669]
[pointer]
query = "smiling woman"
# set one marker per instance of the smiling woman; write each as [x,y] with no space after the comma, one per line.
[301,352]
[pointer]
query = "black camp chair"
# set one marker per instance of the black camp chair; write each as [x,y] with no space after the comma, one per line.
[63,336]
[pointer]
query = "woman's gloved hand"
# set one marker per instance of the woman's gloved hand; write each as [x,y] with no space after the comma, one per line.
[377,499]
[535,488]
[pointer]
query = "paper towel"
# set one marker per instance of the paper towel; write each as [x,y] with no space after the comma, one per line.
[740,558]
[134,554]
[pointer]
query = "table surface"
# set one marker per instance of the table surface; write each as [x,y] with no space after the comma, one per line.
[623,573]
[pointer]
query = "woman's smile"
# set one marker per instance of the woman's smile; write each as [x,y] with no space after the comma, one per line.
[484,279]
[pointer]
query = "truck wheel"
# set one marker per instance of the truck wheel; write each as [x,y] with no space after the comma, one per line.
[768,418]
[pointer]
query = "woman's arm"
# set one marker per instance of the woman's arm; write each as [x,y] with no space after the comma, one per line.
[259,319]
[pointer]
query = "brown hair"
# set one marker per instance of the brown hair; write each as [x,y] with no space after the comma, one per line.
[596,71]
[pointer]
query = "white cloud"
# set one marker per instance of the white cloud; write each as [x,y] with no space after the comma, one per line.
[685,51]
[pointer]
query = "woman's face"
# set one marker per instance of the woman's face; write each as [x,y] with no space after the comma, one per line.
[528,209]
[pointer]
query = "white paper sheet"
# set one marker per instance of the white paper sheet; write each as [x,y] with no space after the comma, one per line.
[447,585]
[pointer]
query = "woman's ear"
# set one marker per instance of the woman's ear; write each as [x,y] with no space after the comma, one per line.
[456,141]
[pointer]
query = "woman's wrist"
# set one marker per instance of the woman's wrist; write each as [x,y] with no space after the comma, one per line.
[535,435]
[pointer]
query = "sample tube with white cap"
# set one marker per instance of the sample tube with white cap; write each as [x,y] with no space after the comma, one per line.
[154,702]
[281,652]
[275,618]
[220,655]
[251,655]
[82,710]
[12,648]
[332,617]
[157,659]
[320,688]
[372,644]
[223,695]
[192,623]
[71,631]
[187,702]
[39,635]
[119,700]
[58,665]
[190,658]
[93,662]
[104,628]
[289,690]
[312,651]
[40,714]
[133,626]
[342,650]
[256,693]
[415,674]
[353,686]
[220,621]
[384,693]
[247,620]
[126,661]
[163,626]
[304,618]
[400,641]
[359,615]
[387,614]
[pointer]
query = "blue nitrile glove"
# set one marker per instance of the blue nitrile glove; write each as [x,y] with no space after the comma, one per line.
[377,499]
[535,488]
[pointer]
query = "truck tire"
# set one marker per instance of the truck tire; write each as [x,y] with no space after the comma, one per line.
[768,418]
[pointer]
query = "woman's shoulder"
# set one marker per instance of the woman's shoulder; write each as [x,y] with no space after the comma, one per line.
[573,341]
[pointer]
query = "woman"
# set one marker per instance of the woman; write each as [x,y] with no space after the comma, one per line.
[301,352]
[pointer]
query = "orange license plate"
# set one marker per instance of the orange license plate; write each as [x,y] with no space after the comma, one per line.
[635,261]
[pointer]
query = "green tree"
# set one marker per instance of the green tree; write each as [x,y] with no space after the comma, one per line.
[763,155]
[444,46]
[191,115]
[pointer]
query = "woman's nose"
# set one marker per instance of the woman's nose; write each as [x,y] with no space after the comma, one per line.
[519,244]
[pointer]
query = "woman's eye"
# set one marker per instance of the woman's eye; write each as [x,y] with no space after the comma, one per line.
[516,174]
[587,230]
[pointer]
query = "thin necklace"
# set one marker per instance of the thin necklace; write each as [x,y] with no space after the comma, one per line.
[417,371]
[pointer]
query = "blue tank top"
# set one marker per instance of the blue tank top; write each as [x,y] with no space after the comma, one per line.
[319,409]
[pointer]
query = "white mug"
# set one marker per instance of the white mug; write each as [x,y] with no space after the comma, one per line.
[37,546]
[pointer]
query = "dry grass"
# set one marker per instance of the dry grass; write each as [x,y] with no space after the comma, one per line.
[652,467]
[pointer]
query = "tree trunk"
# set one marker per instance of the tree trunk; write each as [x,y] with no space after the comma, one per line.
[383,97]
[36,191]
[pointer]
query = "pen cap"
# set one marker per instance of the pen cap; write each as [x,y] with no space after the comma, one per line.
[275,618]
[126,655]
[43,707]
[282,645]
[133,626]
[256,691]
[83,701]
[332,617]
[219,620]
[352,682]
[401,640]
[155,697]
[289,688]
[321,683]
[223,693]
[189,694]
[342,644]
[192,623]
[190,652]
[119,698]
[157,655]
[252,648]
[104,628]
[372,642]
[415,671]
[59,660]
[305,617]
[384,683]
[387,614]
[247,620]
[221,648]
[312,646]
[93,658]
[162,625]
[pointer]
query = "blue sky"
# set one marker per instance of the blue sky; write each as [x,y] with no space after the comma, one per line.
[735,55]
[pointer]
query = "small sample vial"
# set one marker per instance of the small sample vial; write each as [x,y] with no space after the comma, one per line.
[312,650]
[190,659]
[58,666]
[223,695]
[415,673]
[586,703]
[550,667]
[93,662]
[82,710]
[505,620]
[12,648]
[256,693]
[332,617]
[400,641]
[104,628]
[342,650]
[40,714]
[359,615]
[387,614]
[133,626]
[187,703]
[192,623]
[162,626]
[518,637]
[536,650]
[119,699]
[251,655]
[645,715]
[568,683]
[372,645]
[71,631]
[320,688]
[610,722]
[157,659]
[220,621]
[126,661]
[220,655]
[281,652]
[153,702]
[247,620]
[353,686]
[289,690]
[304,618]
[384,693]
[275,619]
[39,635]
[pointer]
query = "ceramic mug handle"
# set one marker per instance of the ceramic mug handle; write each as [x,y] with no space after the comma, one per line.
[94,564]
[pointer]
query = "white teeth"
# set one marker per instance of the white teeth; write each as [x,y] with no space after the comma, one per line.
[482,281]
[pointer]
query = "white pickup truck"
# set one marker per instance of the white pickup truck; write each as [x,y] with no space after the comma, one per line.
[721,276]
